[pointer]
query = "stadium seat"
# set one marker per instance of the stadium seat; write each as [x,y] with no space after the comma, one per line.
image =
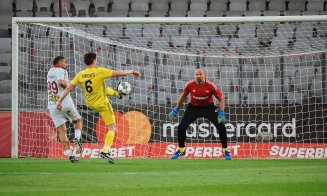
[227,30]
[280,43]
[180,41]
[285,30]
[169,30]
[321,29]
[137,14]
[218,5]
[5,76]
[306,13]
[196,13]
[219,43]
[208,30]
[5,86]
[214,13]
[266,30]
[304,30]
[200,44]
[277,5]
[161,43]
[237,5]
[24,8]
[133,30]
[296,5]
[318,43]
[119,6]
[315,5]
[157,13]
[190,30]
[271,13]
[212,72]
[292,13]
[272,98]
[101,8]
[5,100]
[119,13]
[234,13]
[151,30]
[177,13]
[5,62]
[198,6]
[114,31]
[6,13]
[237,44]
[5,44]
[257,5]
[179,5]
[252,13]
[255,98]
[43,8]
[246,30]
[81,7]
[160,5]
[140,5]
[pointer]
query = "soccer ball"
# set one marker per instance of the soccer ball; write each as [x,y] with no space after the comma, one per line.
[124,88]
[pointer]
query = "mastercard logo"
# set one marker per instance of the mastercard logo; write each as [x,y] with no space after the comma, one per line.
[132,128]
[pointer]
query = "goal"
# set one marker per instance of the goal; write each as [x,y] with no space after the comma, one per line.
[271,70]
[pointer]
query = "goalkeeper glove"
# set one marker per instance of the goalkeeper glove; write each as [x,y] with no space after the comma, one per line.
[173,114]
[221,116]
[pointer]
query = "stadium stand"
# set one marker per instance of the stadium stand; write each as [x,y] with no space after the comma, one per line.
[222,37]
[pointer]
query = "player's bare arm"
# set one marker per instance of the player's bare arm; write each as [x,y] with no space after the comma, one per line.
[119,73]
[221,102]
[63,83]
[181,100]
[64,94]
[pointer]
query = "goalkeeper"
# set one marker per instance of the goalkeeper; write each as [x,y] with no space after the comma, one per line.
[95,94]
[201,105]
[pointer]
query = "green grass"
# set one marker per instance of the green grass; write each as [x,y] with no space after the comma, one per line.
[163,177]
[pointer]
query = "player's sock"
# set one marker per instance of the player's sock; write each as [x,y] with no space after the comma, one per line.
[181,149]
[105,149]
[78,134]
[68,153]
[108,141]
[224,149]
[112,92]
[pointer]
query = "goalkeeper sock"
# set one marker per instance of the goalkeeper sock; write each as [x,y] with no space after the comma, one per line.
[181,149]
[78,134]
[108,141]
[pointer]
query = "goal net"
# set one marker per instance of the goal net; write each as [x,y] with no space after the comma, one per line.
[271,70]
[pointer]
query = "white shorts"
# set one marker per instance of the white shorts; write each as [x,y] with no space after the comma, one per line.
[60,117]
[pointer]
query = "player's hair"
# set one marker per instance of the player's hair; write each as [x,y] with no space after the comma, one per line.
[57,59]
[89,58]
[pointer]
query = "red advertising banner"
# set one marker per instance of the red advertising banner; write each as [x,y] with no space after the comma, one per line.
[201,150]
[5,134]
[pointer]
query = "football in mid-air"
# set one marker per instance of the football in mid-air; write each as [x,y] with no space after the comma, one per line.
[124,88]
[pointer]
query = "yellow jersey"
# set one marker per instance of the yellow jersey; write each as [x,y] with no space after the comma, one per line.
[92,81]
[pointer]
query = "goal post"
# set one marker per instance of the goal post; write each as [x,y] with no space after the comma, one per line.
[271,70]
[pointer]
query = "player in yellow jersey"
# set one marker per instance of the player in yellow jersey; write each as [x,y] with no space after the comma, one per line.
[92,81]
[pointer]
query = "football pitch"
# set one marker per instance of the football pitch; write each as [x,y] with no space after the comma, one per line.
[31,176]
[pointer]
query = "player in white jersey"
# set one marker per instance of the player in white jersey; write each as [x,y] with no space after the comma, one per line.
[57,81]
